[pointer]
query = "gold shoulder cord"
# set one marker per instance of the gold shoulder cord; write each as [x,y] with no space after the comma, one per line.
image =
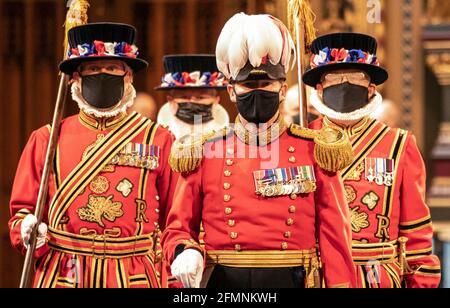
[187,152]
[333,150]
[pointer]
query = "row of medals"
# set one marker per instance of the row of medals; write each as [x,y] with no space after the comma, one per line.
[381,179]
[134,160]
[292,188]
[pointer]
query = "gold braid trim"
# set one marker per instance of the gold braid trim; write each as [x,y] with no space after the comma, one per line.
[187,152]
[333,151]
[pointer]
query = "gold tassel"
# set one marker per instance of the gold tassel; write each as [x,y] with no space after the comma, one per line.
[76,16]
[333,151]
[187,152]
[301,10]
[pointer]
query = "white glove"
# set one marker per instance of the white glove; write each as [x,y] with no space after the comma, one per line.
[188,268]
[27,226]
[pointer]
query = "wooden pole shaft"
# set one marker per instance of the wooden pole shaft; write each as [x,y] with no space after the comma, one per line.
[43,190]
[300,69]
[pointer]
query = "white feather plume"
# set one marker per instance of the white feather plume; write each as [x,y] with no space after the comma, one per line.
[230,33]
[251,38]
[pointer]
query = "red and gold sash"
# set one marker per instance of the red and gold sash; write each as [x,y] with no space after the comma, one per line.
[93,163]
[364,143]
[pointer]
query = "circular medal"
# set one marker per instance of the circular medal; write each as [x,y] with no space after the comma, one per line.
[388,180]
[144,162]
[296,188]
[115,160]
[269,191]
[288,189]
[132,161]
[379,179]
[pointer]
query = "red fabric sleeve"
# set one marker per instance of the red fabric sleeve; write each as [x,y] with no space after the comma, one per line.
[415,221]
[334,232]
[166,183]
[183,220]
[26,185]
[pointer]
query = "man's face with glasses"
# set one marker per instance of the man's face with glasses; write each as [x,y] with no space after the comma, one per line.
[355,77]
[111,67]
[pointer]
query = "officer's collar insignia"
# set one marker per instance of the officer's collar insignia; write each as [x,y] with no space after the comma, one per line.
[263,138]
[351,131]
[100,124]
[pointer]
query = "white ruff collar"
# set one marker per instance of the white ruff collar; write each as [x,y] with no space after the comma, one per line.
[367,110]
[125,103]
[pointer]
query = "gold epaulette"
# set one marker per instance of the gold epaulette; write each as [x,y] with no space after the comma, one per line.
[333,150]
[187,152]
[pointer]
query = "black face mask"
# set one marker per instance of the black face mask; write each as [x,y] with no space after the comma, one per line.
[346,97]
[103,91]
[258,106]
[192,113]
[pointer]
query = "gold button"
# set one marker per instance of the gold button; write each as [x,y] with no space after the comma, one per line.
[293,197]
[157,211]
[228,211]
[227,198]
[291,150]
[227,173]
[231,223]
[237,247]
[230,162]
[284,246]
[226,186]
[233,235]
[287,234]
[292,209]
[157,198]
[292,159]
[230,151]
[290,222]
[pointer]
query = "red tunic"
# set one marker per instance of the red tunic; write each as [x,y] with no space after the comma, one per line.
[107,236]
[221,194]
[381,214]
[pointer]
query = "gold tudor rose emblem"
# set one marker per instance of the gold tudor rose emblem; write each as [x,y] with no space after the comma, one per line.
[99,208]
[99,185]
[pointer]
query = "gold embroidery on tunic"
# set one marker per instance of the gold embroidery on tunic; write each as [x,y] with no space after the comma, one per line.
[350,194]
[370,200]
[100,137]
[359,220]
[100,208]
[99,185]
[356,174]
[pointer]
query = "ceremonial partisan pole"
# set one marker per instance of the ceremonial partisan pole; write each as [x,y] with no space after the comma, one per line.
[301,25]
[76,16]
